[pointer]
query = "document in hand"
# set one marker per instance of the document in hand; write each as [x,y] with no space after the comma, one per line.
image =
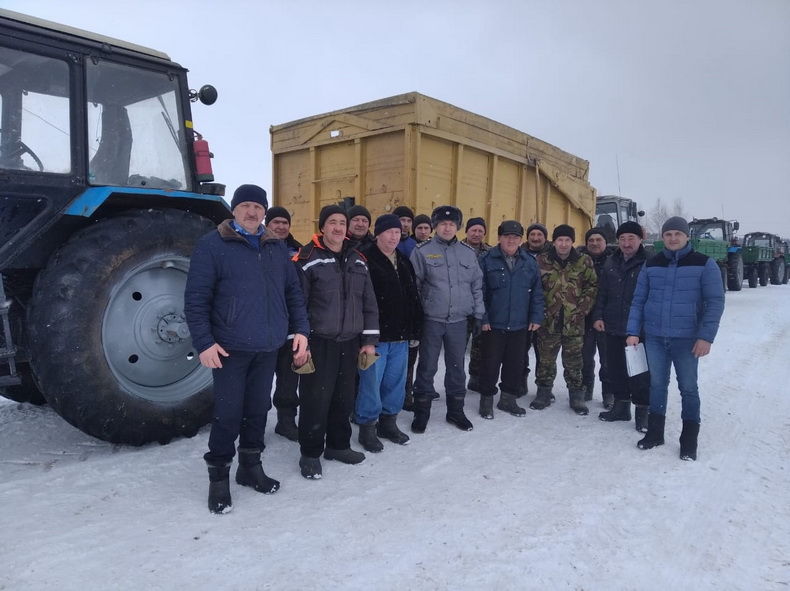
[635,359]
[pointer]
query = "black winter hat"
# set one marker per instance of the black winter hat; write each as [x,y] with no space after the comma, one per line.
[328,210]
[277,212]
[422,219]
[630,228]
[676,223]
[249,193]
[447,213]
[385,222]
[356,210]
[540,227]
[403,212]
[509,227]
[593,231]
[564,230]
[476,222]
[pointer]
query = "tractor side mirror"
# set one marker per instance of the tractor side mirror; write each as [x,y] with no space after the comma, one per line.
[735,226]
[206,95]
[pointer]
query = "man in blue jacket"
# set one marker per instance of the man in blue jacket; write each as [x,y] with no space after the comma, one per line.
[242,298]
[678,303]
[513,297]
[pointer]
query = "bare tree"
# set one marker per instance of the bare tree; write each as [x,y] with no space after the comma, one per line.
[677,208]
[661,212]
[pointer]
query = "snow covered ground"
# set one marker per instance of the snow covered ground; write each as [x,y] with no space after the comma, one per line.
[549,501]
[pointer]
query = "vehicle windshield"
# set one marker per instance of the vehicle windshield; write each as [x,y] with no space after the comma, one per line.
[758,240]
[135,132]
[711,231]
[35,123]
[606,216]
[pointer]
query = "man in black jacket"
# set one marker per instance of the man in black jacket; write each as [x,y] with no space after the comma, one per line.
[344,323]
[616,285]
[381,386]
[285,399]
[359,226]
[242,298]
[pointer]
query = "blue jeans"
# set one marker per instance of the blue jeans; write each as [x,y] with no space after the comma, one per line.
[382,385]
[453,337]
[662,353]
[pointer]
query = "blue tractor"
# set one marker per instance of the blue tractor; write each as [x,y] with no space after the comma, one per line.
[104,188]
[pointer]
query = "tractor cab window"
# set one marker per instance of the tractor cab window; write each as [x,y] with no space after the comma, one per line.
[708,232]
[34,113]
[606,216]
[136,136]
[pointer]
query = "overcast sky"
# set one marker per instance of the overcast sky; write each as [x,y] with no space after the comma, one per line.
[691,97]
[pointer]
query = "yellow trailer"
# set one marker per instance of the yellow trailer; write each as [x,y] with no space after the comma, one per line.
[414,150]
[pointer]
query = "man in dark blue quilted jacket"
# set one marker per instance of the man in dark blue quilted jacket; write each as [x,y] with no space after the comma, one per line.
[677,305]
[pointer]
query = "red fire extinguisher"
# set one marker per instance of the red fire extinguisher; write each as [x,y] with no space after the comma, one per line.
[203,158]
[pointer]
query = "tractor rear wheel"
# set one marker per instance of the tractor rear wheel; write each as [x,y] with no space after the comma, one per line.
[734,271]
[110,346]
[752,276]
[777,271]
[763,274]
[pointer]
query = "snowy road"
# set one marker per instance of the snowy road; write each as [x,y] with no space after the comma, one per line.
[549,501]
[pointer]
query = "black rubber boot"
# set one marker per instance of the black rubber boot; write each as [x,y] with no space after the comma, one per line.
[655,432]
[346,456]
[422,412]
[310,467]
[576,402]
[620,412]
[542,399]
[588,391]
[219,488]
[688,441]
[455,414]
[368,439]
[487,406]
[507,403]
[388,429]
[286,425]
[640,417]
[250,472]
[608,400]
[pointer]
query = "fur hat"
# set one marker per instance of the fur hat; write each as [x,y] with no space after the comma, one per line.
[447,213]
[564,230]
[249,193]
[630,228]
[676,223]
[388,221]
[277,212]
[328,210]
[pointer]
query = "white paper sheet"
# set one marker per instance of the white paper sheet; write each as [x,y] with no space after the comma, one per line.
[636,360]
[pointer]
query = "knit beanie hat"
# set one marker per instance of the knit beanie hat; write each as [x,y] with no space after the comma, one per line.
[564,230]
[277,212]
[328,210]
[249,193]
[630,228]
[403,212]
[447,213]
[388,221]
[422,219]
[540,227]
[676,223]
[356,210]
[476,222]
[592,232]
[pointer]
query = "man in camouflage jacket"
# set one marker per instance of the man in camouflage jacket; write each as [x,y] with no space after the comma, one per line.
[569,288]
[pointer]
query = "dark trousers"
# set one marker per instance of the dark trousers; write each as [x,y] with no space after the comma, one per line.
[593,340]
[506,350]
[475,360]
[637,388]
[242,390]
[327,396]
[532,340]
[286,398]
[453,338]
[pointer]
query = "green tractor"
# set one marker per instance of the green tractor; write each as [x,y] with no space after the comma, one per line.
[784,253]
[717,239]
[763,258]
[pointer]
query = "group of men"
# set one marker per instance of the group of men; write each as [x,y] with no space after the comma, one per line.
[343,320]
